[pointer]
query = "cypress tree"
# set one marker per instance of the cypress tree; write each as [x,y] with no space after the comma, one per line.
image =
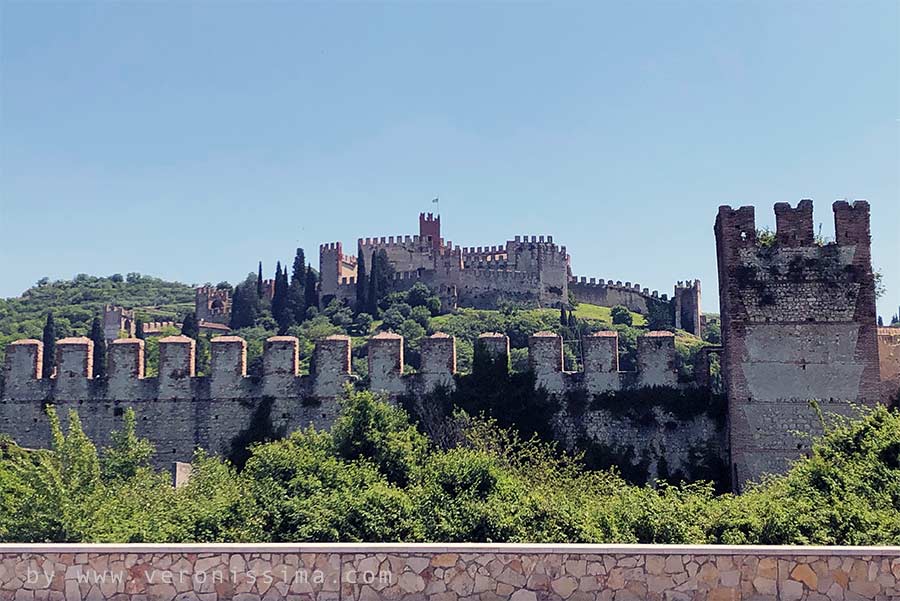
[237,307]
[380,278]
[99,348]
[190,327]
[297,303]
[49,347]
[281,309]
[563,318]
[310,292]
[139,328]
[372,289]
[361,283]
[259,281]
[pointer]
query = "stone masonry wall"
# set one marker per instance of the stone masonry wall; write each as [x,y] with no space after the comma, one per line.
[529,270]
[179,411]
[461,572]
[798,324]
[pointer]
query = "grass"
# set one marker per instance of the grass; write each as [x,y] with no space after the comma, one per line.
[598,313]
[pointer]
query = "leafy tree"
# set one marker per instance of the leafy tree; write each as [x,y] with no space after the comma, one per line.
[418,295]
[392,319]
[49,339]
[372,429]
[127,453]
[621,315]
[99,340]
[190,327]
[244,304]
[361,326]
[421,315]
[433,303]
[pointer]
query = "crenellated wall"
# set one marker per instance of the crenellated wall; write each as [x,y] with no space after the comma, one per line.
[179,411]
[682,310]
[798,324]
[529,270]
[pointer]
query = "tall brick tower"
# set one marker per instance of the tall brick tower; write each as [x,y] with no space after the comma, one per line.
[429,225]
[798,323]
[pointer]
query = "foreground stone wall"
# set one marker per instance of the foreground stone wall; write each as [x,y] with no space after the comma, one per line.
[476,572]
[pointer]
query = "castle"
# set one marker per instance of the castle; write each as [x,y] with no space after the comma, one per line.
[211,305]
[798,325]
[527,270]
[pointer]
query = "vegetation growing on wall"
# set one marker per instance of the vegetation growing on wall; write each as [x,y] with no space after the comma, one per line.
[374,477]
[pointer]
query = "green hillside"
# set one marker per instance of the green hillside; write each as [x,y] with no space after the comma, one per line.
[75,302]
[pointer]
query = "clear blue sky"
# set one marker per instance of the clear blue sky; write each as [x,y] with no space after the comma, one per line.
[188,140]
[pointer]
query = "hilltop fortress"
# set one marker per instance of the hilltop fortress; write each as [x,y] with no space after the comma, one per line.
[798,325]
[527,270]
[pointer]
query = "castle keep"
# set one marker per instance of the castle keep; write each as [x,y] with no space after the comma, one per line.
[527,270]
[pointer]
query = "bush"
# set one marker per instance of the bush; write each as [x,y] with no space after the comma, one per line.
[375,478]
[621,315]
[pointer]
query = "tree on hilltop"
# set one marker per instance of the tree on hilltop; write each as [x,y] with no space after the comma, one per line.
[259,281]
[621,315]
[190,327]
[310,292]
[281,309]
[99,340]
[49,338]
[380,279]
[244,304]
[361,283]
[297,289]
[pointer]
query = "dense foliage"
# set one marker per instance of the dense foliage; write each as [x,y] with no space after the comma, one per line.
[375,477]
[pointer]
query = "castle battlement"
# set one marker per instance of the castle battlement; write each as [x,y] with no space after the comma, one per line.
[798,323]
[529,270]
[179,411]
[227,378]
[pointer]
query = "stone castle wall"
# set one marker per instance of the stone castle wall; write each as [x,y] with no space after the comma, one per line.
[179,411]
[798,324]
[889,358]
[529,270]
[447,572]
